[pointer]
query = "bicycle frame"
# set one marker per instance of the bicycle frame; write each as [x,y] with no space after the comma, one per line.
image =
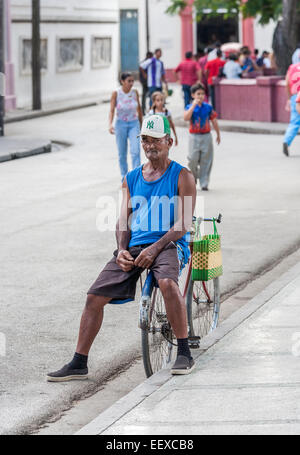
[146,300]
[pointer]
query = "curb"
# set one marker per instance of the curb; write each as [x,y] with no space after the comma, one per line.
[59,110]
[24,153]
[151,385]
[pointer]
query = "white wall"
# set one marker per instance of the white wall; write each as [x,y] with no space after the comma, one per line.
[263,36]
[90,20]
[165,32]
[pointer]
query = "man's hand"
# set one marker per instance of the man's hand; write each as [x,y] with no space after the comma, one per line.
[218,139]
[146,258]
[111,129]
[125,260]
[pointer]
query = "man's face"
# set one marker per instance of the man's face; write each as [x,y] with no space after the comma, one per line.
[199,96]
[158,54]
[156,148]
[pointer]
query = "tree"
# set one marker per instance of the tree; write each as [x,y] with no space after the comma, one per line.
[36,59]
[2,67]
[285,12]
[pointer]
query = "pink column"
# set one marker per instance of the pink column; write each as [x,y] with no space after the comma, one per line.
[187,29]
[10,97]
[248,31]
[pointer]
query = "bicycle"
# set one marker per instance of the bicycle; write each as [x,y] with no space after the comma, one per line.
[203,306]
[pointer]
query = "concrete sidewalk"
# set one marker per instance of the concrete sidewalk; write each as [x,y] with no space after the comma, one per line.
[246,382]
[15,147]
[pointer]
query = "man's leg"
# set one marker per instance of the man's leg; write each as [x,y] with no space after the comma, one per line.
[294,125]
[187,94]
[206,160]
[91,321]
[177,316]
[212,95]
[175,306]
[90,325]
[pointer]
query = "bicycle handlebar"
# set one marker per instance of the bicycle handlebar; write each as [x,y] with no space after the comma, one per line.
[218,220]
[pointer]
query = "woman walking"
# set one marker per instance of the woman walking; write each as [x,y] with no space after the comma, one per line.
[129,119]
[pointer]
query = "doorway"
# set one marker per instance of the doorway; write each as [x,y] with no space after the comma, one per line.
[212,29]
[129,36]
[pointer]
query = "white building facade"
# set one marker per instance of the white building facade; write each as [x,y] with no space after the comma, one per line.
[80,48]
[180,33]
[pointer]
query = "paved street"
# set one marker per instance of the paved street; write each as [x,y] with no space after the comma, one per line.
[51,250]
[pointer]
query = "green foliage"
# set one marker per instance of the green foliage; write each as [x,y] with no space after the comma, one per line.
[264,9]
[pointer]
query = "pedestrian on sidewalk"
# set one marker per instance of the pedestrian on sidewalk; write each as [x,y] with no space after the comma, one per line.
[190,73]
[159,107]
[293,88]
[153,69]
[212,69]
[199,114]
[144,82]
[129,119]
[139,249]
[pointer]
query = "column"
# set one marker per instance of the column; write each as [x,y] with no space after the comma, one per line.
[187,29]
[10,97]
[248,31]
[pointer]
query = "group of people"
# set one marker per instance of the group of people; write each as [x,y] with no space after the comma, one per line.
[125,104]
[211,63]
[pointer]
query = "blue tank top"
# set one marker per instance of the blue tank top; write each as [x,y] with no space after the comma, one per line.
[154,206]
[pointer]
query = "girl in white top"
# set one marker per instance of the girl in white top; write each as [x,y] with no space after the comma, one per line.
[126,102]
[158,107]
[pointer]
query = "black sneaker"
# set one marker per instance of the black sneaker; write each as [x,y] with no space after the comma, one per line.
[183,365]
[67,374]
[204,188]
[286,149]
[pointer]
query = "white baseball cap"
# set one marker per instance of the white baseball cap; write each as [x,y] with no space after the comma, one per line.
[155,126]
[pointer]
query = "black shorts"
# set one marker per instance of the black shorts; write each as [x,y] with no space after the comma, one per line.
[115,283]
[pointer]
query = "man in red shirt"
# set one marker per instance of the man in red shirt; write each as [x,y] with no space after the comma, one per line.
[190,73]
[212,69]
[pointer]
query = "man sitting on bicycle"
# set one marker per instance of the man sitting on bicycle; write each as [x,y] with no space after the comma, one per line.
[144,243]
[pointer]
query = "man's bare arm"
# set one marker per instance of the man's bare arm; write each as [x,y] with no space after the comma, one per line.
[123,232]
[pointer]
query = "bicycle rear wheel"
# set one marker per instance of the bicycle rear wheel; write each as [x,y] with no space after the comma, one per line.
[203,307]
[157,337]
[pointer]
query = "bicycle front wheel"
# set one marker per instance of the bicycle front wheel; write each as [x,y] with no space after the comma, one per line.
[203,307]
[157,337]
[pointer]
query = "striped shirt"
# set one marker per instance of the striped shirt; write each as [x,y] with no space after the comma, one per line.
[155,70]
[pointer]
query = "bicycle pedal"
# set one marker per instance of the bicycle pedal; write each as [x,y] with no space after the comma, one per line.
[194,342]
